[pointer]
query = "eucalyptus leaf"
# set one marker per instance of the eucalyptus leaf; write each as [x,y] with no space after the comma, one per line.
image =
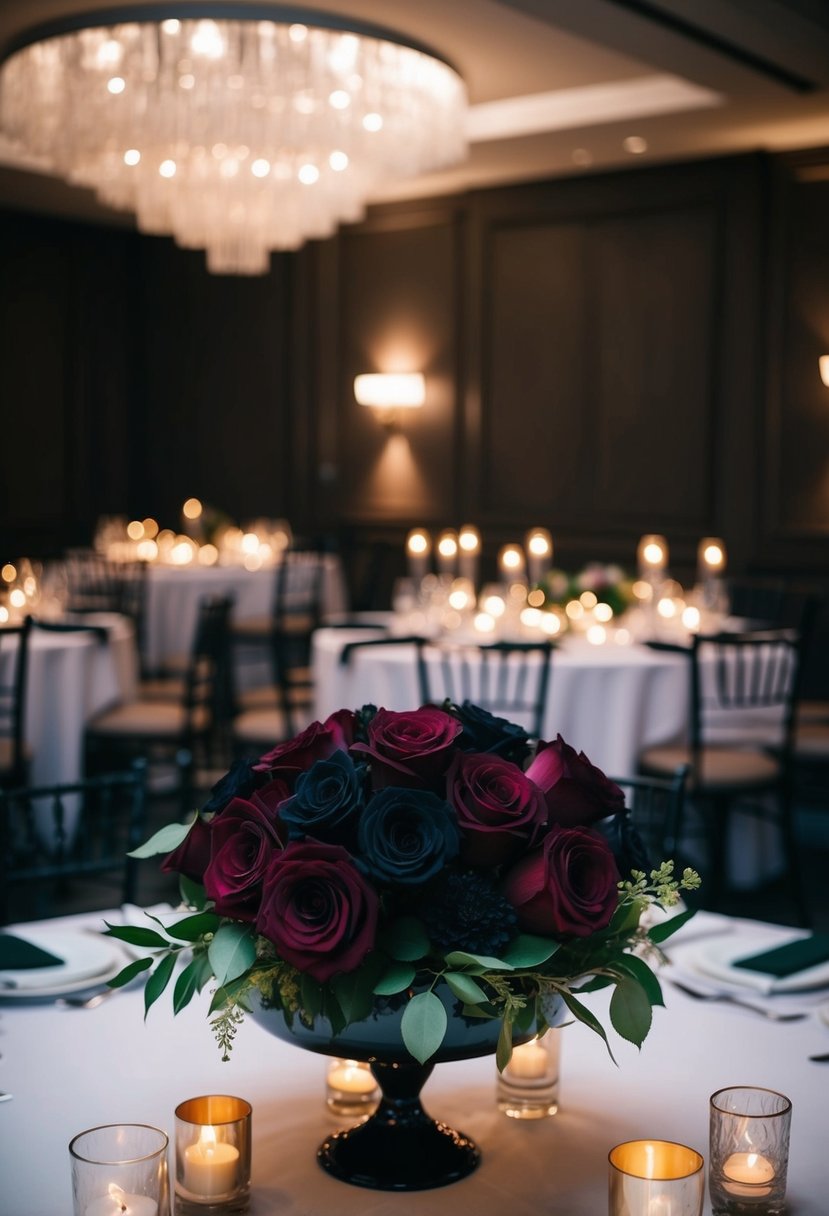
[476,963]
[405,939]
[636,967]
[528,950]
[423,1025]
[503,1051]
[584,1015]
[355,989]
[158,981]
[465,988]
[227,994]
[630,1011]
[192,893]
[129,972]
[396,978]
[310,995]
[136,935]
[476,1011]
[191,928]
[232,951]
[661,933]
[187,985]
[165,840]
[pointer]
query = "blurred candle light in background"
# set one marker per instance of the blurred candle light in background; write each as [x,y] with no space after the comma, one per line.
[539,546]
[652,555]
[469,552]
[447,552]
[511,562]
[418,549]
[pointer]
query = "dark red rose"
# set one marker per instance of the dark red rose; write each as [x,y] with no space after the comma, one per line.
[318,909]
[500,811]
[192,855]
[566,887]
[575,791]
[317,742]
[244,839]
[413,748]
[270,797]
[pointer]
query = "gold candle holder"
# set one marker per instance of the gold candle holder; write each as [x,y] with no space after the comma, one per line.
[213,1137]
[655,1178]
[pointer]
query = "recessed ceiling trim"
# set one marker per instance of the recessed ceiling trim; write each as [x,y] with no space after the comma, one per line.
[591,105]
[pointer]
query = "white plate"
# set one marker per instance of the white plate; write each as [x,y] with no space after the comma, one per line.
[87,959]
[715,959]
[823,1013]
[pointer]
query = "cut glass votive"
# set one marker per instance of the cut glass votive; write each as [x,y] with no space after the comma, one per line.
[351,1090]
[120,1169]
[528,1086]
[749,1151]
[213,1138]
[655,1178]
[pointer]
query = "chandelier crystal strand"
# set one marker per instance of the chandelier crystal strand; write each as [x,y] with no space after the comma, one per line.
[234,136]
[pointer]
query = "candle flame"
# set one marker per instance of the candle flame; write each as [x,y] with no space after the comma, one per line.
[207,1141]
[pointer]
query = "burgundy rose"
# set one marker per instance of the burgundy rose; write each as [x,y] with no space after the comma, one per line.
[192,855]
[411,749]
[575,791]
[318,909]
[244,841]
[317,742]
[270,797]
[500,811]
[567,886]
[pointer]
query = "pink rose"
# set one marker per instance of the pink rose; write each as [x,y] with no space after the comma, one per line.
[500,811]
[566,887]
[575,791]
[413,748]
[318,909]
[244,839]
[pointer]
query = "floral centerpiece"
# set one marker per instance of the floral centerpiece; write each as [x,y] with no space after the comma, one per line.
[609,583]
[378,855]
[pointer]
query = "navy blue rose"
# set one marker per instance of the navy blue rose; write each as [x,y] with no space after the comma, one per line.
[407,836]
[326,800]
[239,782]
[483,732]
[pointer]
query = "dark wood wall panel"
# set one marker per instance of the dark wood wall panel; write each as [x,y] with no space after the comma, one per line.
[398,300]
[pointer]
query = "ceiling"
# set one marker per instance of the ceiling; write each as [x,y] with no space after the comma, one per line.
[558,87]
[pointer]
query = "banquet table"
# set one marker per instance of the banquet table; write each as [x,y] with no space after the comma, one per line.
[173,594]
[72,1069]
[73,675]
[609,701]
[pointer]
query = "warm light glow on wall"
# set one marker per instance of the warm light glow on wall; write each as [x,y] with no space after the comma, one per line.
[399,390]
[823,363]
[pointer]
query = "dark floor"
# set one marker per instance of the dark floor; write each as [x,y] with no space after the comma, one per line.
[770,902]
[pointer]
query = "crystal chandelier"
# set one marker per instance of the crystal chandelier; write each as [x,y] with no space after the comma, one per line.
[234,134]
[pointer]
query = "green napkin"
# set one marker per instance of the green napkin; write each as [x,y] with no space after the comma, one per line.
[790,958]
[16,954]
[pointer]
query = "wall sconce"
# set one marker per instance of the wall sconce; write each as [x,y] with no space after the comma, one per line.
[823,364]
[389,394]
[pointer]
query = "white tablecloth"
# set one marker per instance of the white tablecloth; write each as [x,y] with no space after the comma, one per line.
[608,701]
[70,1070]
[173,594]
[71,677]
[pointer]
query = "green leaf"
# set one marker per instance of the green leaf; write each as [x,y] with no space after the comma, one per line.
[130,972]
[396,978]
[192,893]
[503,1051]
[529,951]
[523,1019]
[475,1011]
[191,928]
[187,984]
[476,963]
[465,988]
[423,1025]
[584,1015]
[231,993]
[135,935]
[630,1011]
[627,916]
[660,933]
[355,989]
[165,840]
[158,981]
[310,996]
[232,951]
[641,972]
[405,939]
[596,983]
[332,1009]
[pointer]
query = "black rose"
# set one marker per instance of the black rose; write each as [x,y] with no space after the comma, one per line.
[326,800]
[407,836]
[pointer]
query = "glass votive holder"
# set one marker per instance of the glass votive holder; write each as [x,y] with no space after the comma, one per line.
[655,1178]
[749,1151]
[120,1169]
[212,1155]
[351,1090]
[528,1086]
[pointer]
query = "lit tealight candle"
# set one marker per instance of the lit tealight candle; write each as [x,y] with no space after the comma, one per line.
[711,557]
[652,554]
[469,552]
[528,1061]
[747,1175]
[511,562]
[351,1077]
[539,546]
[210,1165]
[447,552]
[117,1202]
[418,548]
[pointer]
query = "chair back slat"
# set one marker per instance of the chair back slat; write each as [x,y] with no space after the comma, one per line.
[656,807]
[14,661]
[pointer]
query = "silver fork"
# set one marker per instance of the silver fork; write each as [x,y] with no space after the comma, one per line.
[85,1002]
[774,1015]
